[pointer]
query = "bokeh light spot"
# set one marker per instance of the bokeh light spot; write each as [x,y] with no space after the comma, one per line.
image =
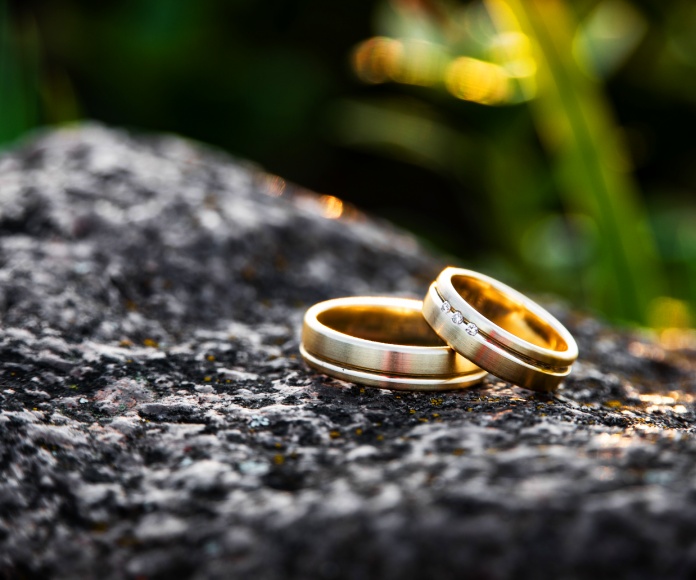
[376,60]
[673,320]
[478,81]
[666,312]
[410,62]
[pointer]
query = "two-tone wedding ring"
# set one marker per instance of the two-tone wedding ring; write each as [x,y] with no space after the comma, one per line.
[499,329]
[382,342]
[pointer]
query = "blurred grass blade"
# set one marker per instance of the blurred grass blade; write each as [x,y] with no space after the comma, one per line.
[18,81]
[404,131]
[577,129]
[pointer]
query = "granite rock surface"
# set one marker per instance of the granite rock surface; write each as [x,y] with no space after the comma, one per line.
[156,420]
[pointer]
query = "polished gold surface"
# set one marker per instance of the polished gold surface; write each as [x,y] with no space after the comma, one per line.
[514,338]
[383,342]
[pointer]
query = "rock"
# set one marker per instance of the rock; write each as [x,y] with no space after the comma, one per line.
[156,420]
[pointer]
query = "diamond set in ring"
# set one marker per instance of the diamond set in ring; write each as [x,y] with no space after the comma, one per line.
[457,317]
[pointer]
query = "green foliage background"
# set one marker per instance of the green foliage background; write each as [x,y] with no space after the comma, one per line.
[583,187]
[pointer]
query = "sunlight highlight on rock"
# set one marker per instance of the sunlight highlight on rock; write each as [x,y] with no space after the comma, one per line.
[274,185]
[331,207]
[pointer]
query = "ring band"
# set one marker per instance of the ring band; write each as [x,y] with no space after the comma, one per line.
[382,342]
[499,329]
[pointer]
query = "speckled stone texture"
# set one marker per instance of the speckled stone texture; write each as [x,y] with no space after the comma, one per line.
[157,422]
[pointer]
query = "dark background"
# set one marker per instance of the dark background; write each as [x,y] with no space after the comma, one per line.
[276,82]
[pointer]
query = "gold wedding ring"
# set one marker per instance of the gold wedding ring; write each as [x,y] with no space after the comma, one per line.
[382,342]
[499,329]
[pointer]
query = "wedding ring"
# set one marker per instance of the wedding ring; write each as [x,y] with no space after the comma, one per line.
[499,329]
[382,342]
